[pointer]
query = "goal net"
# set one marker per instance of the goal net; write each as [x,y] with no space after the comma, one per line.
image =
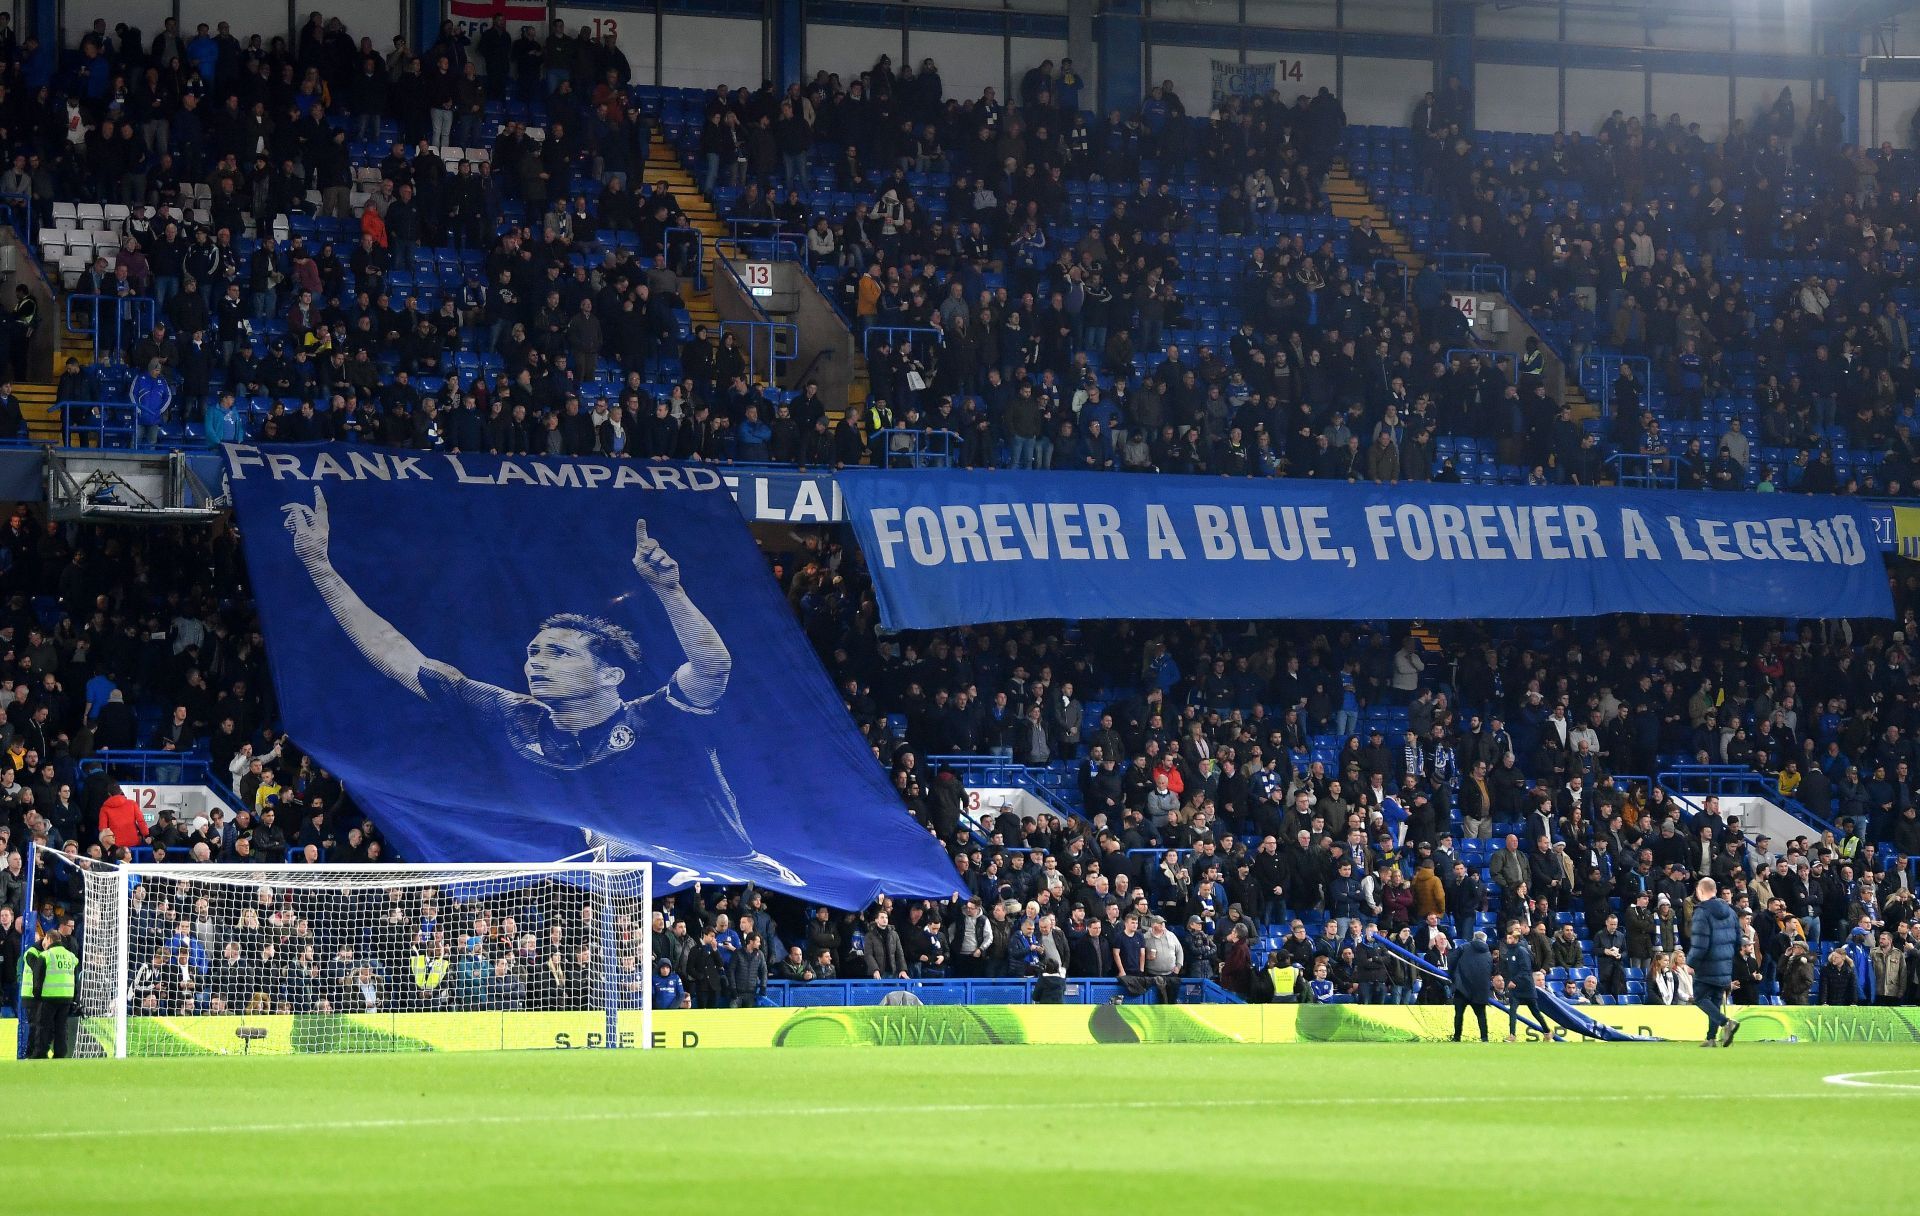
[288,959]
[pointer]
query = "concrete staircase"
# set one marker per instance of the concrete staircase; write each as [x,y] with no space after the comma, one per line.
[36,399]
[43,421]
[664,167]
[1352,200]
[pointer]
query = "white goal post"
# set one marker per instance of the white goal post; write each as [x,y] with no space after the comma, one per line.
[292,959]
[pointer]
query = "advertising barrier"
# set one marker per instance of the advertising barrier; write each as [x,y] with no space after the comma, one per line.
[951,1026]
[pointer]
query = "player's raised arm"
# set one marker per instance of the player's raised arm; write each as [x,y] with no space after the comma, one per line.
[702,679]
[385,647]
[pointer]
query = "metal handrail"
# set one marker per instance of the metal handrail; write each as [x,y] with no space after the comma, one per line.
[766,351]
[22,203]
[699,253]
[145,761]
[892,335]
[1507,360]
[102,422]
[1003,770]
[772,248]
[925,449]
[1599,370]
[1721,780]
[1637,470]
[88,306]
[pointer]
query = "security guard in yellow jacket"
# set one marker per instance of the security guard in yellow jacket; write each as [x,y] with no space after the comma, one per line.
[53,975]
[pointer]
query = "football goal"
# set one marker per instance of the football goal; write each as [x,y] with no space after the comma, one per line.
[287,959]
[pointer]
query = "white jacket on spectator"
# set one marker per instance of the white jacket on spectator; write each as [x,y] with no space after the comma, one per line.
[237,767]
[1407,666]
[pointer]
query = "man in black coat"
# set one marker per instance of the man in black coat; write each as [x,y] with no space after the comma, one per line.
[1466,896]
[1470,973]
[1816,792]
[706,979]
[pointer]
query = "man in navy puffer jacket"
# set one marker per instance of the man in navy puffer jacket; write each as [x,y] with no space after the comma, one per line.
[1715,940]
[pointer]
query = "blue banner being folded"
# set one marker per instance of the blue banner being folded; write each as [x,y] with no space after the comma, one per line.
[951,548]
[516,659]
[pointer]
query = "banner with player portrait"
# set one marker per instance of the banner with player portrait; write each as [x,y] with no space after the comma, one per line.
[516,658]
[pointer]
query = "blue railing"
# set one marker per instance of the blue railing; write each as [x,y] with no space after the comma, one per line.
[893,335]
[749,229]
[789,994]
[770,345]
[1471,272]
[905,448]
[19,210]
[1397,269]
[1001,771]
[1646,471]
[1506,360]
[1599,371]
[97,424]
[1692,781]
[772,248]
[676,242]
[131,314]
[150,767]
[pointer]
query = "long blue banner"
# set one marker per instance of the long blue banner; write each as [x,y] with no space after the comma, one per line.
[951,548]
[517,659]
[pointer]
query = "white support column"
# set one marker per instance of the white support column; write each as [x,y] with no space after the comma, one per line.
[121,991]
[646,955]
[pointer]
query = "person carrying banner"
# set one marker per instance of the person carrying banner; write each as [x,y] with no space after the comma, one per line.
[1470,974]
[1516,963]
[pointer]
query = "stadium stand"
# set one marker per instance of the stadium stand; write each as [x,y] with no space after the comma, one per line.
[296,243]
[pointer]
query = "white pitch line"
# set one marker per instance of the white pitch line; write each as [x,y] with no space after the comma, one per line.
[1853,1079]
[954,1108]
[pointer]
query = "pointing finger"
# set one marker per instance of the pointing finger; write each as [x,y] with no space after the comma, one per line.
[640,532]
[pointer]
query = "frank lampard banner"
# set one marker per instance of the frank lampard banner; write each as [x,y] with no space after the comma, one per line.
[951,548]
[513,659]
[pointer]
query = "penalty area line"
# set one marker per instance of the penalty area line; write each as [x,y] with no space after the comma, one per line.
[1854,1079]
[1863,1090]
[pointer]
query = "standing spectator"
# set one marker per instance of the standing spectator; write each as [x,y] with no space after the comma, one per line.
[151,396]
[747,973]
[1796,975]
[669,992]
[886,959]
[1471,977]
[1163,959]
[1407,666]
[1610,955]
[704,974]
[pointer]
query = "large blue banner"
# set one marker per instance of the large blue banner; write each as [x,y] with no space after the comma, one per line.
[951,548]
[515,659]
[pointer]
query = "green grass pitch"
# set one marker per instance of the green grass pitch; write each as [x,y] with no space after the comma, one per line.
[1432,1129]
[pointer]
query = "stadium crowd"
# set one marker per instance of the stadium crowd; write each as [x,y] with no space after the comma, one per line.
[1161,290]
[1246,803]
[1210,840]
